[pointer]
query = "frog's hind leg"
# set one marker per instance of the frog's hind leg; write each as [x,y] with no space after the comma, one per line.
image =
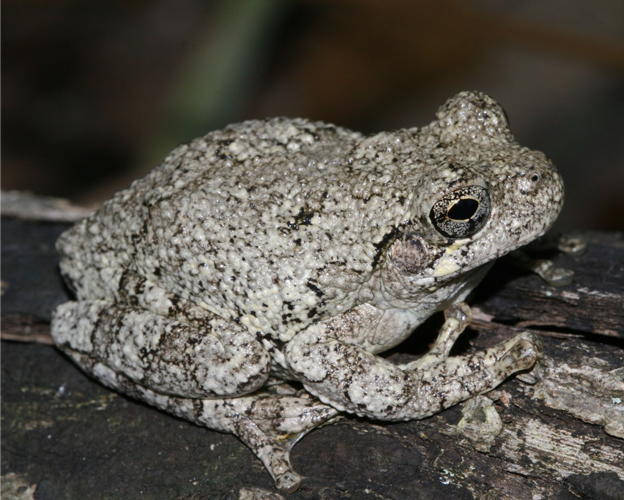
[209,357]
[270,424]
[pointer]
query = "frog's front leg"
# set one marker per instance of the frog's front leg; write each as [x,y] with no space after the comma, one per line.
[354,380]
[457,318]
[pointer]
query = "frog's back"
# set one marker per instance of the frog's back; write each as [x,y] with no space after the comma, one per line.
[273,222]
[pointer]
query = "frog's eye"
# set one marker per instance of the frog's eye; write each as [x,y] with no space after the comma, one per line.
[461,213]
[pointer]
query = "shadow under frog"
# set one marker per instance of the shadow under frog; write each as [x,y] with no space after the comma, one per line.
[295,250]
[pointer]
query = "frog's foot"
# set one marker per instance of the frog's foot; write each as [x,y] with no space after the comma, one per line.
[551,274]
[272,425]
[544,268]
[457,318]
[461,377]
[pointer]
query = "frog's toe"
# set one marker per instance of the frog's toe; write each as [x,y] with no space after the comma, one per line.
[288,482]
[526,349]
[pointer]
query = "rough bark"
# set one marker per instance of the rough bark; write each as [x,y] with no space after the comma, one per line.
[562,437]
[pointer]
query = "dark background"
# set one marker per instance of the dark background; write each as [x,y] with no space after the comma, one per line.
[95,93]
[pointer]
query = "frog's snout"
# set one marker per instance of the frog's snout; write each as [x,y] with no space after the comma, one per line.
[541,191]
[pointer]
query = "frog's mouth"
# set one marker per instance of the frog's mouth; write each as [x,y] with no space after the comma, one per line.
[477,253]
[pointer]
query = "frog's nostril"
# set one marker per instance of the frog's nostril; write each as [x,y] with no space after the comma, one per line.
[528,183]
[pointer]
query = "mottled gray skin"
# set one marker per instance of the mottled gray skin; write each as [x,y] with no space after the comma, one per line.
[299,250]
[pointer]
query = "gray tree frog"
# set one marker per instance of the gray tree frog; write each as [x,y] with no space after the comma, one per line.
[297,250]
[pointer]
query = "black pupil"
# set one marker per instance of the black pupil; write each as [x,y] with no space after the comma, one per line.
[464,209]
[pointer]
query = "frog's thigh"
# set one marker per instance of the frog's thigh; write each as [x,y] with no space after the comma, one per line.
[213,359]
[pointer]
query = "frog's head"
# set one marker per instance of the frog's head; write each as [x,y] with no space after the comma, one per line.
[482,194]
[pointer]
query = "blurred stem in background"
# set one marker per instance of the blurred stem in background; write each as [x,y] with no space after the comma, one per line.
[215,84]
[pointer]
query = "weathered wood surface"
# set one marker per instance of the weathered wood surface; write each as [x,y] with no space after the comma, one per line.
[66,436]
